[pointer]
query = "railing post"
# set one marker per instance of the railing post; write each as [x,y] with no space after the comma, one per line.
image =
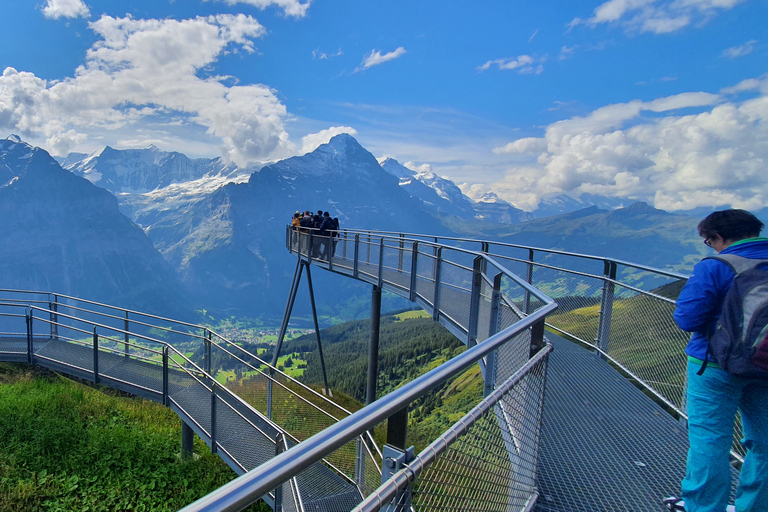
[344,246]
[436,295]
[414,269]
[214,448]
[355,263]
[279,489]
[310,248]
[528,279]
[474,304]
[165,375]
[606,307]
[368,258]
[54,317]
[126,326]
[208,363]
[397,429]
[381,262]
[400,254]
[493,327]
[393,461]
[95,356]
[537,337]
[30,338]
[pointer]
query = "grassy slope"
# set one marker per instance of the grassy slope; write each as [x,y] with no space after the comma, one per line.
[67,446]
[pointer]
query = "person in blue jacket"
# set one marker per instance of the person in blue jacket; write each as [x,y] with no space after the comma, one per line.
[714,396]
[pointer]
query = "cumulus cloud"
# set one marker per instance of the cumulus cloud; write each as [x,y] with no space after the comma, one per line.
[739,51]
[151,69]
[655,16]
[56,9]
[311,142]
[294,8]
[375,58]
[676,161]
[523,64]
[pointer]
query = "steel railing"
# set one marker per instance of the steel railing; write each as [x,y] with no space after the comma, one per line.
[169,376]
[473,296]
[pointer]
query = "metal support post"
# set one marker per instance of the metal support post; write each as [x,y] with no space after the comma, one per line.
[606,307]
[397,429]
[400,254]
[30,338]
[436,300]
[126,326]
[393,461]
[279,448]
[317,332]
[373,349]
[289,307]
[310,248]
[53,307]
[214,448]
[537,337]
[368,258]
[381,262]
[474,301]
[528,279]
[344,246]
[414,271]
[95,356]
[355,261]
[208,363]
[489,375]
[165,375]
[187,440]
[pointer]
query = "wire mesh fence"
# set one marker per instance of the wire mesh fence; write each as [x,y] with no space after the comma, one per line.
[486,461]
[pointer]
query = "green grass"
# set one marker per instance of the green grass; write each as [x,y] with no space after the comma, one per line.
[67,446]
[418,313]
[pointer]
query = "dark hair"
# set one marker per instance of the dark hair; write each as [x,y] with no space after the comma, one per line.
[326,214]
[730,225]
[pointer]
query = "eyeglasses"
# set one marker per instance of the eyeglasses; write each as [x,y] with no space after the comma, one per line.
[707,242]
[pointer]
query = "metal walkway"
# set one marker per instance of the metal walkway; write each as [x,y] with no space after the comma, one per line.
[605,445]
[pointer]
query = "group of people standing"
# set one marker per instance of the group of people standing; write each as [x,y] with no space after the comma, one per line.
[322,225]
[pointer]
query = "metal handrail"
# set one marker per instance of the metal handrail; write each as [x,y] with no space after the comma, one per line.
[420,237]
[245,489]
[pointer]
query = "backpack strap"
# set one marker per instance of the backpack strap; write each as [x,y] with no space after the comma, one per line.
[737,263]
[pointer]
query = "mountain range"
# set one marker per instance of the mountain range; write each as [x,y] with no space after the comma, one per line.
[212,237]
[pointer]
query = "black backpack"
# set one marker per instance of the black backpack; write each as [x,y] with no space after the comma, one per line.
[739,342]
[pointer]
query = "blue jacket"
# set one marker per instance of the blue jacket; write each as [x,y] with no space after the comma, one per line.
[701,299]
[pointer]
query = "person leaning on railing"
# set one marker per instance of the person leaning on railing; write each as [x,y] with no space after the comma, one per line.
[714,395]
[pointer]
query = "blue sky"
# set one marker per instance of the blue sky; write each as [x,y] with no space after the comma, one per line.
[659,100]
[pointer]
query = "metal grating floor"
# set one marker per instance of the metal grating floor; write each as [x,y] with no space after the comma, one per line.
[605,445]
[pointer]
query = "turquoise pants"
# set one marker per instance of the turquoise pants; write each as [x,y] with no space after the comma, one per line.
[713,399]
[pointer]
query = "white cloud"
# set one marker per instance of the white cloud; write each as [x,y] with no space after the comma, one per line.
[311,142]
[419,169]
[523,64]
[375,58]
[142,70]
[56,9]
[739,51]
[677,161]
[655,16]
[294,8]
[317,54]
[530,145]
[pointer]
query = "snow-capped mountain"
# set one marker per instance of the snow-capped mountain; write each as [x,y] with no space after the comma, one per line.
[61,233]
[440,195]
[232,243]
[145,170]
[491,208]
